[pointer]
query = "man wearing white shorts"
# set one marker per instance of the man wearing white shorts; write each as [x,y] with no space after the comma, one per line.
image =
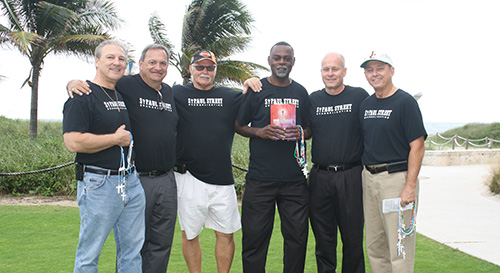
[200,203]
[204,175]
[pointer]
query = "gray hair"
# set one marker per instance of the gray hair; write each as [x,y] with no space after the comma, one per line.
[98,49]
[154,46]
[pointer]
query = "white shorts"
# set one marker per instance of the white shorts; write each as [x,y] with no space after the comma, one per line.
[200,203]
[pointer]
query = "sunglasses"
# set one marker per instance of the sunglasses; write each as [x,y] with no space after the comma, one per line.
[201,67]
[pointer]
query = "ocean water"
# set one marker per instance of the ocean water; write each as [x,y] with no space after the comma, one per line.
[441,127]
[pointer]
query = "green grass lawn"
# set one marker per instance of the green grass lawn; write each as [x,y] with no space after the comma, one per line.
[44,239]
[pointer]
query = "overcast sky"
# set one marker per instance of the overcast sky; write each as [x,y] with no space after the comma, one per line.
[447,50]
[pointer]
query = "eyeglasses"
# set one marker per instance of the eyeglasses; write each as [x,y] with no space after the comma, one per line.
[208,67]
[160,100]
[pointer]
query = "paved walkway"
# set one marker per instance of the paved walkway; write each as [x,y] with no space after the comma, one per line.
[457,209]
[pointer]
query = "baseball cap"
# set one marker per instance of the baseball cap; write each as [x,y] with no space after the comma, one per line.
[377,56]
[203,55]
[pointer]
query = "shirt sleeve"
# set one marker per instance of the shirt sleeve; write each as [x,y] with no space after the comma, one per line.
[413,121]
[76,115]
[246,109]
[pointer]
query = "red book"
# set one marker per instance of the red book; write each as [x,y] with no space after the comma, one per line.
[283,115]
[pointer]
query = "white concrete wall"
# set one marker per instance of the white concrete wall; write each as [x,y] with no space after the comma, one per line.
[461,157]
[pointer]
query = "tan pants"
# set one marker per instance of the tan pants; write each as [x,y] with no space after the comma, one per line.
[382,229]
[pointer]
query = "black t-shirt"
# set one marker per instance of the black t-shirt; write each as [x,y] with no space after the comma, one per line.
[205,131]
[99,115]
[337,136]
[389,126]
[154,130]
[273,160]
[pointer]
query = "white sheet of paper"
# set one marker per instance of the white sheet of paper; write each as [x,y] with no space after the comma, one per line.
[392,204]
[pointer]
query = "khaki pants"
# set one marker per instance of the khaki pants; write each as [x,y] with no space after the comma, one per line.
[382,229]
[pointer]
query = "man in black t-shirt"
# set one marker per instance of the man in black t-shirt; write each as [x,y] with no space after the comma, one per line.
[394,136]
[274,176]
[335,186]
[205,183]
[110,195]
[153,118]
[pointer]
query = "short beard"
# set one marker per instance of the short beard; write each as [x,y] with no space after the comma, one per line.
[283,74]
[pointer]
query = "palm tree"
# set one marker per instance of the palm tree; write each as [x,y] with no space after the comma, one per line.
[38,28]
[221,26]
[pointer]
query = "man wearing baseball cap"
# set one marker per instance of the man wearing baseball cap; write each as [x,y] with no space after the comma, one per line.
[394,137]
[205,183]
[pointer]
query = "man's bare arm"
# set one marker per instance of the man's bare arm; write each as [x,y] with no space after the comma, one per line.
[89,143]
[417,151]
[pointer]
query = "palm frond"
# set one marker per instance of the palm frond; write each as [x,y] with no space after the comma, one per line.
[209,21]
[54,19]
[80,45]
[24,41]
[11,11]
[230,72]
[228,46]
[98,12]
[158,32]
[4,34]
[222,26]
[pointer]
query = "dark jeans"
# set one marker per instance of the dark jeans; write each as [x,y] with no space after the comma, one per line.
[258,210]
[161,214]
[337,201]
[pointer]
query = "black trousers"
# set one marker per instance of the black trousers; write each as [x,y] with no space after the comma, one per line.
[160,214]
[337,201]
[257,218]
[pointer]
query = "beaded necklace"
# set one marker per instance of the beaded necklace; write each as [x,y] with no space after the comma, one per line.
[404,232]
[124,171]
[300,152]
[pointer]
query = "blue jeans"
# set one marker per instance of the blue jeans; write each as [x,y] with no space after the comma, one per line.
[103,209]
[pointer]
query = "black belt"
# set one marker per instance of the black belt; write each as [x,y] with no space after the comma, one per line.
[103,171]
[335,168]
[153,173]
[180,167]
[393,167]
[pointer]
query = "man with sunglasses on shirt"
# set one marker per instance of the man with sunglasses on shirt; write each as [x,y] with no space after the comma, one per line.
[204,175]
[153,119]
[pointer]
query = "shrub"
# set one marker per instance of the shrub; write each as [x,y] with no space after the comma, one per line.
[494,183]
[239,157]
[19,153]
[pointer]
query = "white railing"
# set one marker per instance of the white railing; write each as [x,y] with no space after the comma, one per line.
[459,141]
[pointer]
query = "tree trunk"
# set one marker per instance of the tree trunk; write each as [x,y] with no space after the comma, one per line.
[186,75]
[185,80]
[34,102]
